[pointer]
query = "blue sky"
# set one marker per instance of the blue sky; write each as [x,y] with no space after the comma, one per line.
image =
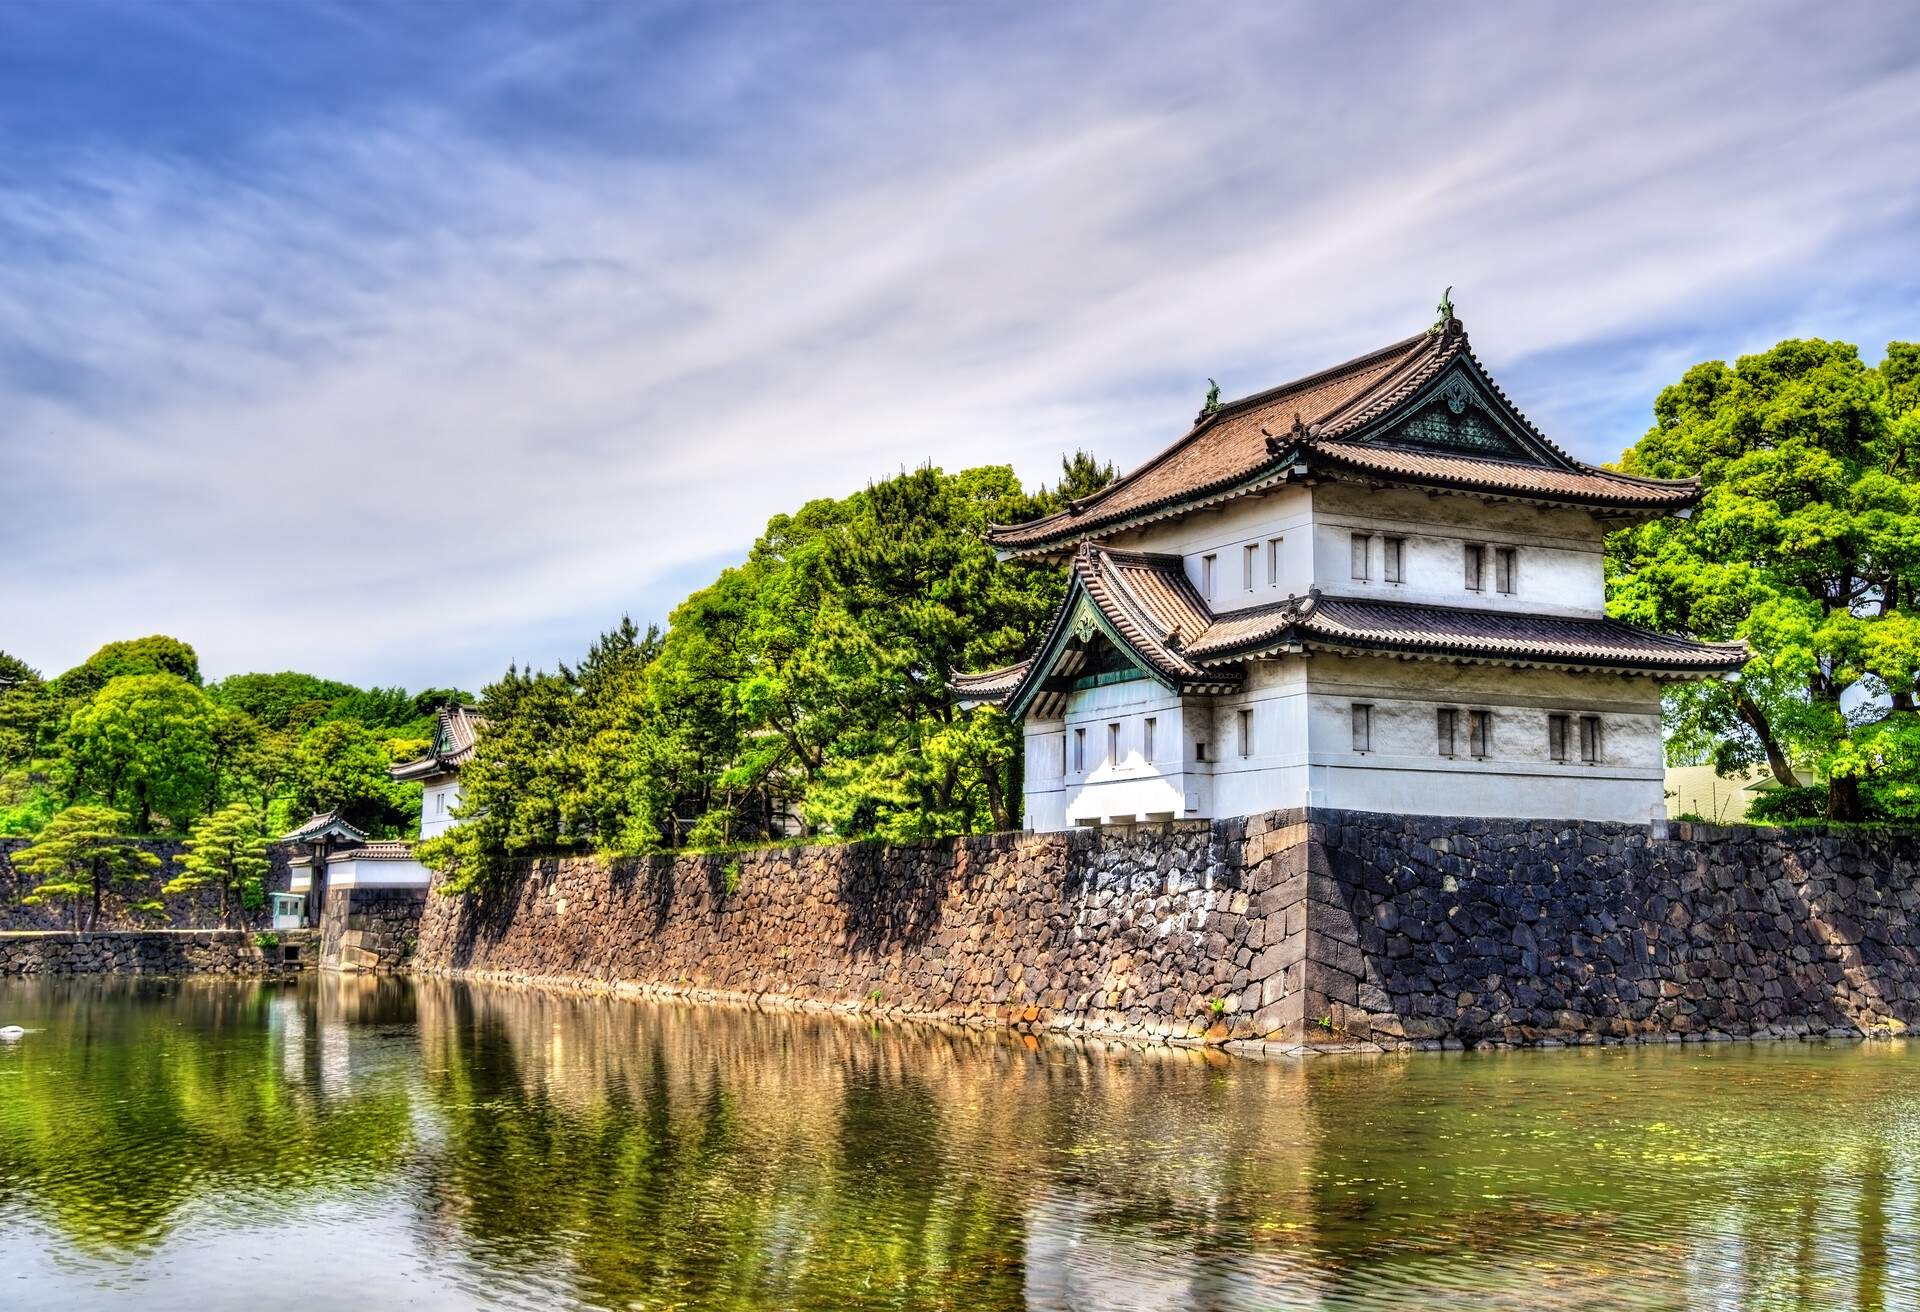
[399,342]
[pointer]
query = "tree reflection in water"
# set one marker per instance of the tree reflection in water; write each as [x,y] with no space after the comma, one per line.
[550,1150]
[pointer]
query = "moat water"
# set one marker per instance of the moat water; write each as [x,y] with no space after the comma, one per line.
[357,1144]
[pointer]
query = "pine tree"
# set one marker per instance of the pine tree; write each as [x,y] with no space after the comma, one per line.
[82,852]
[227,851]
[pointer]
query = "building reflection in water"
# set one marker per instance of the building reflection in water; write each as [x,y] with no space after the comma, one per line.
[553,1150]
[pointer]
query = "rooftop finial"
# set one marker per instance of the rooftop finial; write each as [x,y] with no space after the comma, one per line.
[1445,309]
[1212,404]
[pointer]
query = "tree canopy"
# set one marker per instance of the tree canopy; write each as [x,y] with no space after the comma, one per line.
[144,744]
[132,728]
[805,688]
[157,654]
[1807,545]
[341,766]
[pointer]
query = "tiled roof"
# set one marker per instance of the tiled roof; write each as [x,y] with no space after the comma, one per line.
[1144,599]
[396,850]
[456,730]
[323,823]
[1304,424]
[989,685]
[1148,598]
[1585,484]
[1458,632]
[1148,602]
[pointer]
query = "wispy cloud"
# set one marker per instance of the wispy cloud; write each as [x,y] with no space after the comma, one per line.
[407,385]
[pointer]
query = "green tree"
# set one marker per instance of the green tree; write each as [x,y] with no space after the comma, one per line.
[1081,475]
[16,673]
[144,743]
[23,705]
[226,851]
[809,679]
[83,851]
[341,766]
[157,654]
[1806,544]
[287,700]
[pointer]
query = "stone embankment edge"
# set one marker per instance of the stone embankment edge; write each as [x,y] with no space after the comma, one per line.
[41,954]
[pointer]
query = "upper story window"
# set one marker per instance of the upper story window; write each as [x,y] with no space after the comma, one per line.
[1447,726]
[1249,559]
[1476,559]
[1206,576]
[1246,731]
[1557,737]
[1360,557]
[1063,754]
[1079,751]
[1506,571]
[1113,744]
[1393,567]
[1273,561]
[1480,734]
[440,803]
[1362,727]
[1146,738]
[1590,740]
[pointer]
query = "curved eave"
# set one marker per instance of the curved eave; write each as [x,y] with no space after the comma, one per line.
[989,687]
[1226,490]
[1293,643]
[1330,464]
[1040,668]
[427,767]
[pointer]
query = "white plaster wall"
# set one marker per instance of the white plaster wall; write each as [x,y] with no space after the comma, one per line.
[1124,786]
[1225,532]
[1301,753]
[344,872]
[1044,798]
[1518,779]
[438,798]
[349,873]
[1273,772]
[1560,566]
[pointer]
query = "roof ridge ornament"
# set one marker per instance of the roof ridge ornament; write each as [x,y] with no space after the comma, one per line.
[1446,322]
[1211,406]
[1298,433]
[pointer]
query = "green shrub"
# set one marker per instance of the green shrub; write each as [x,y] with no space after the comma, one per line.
[1781,806]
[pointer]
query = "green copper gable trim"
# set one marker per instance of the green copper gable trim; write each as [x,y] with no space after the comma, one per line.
[1459,411]
[1082,619]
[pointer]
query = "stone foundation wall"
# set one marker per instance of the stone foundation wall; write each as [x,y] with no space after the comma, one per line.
[152,952]
[1458,932]
[369,929]
[1178,930]
[1323,929]
[184,911]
